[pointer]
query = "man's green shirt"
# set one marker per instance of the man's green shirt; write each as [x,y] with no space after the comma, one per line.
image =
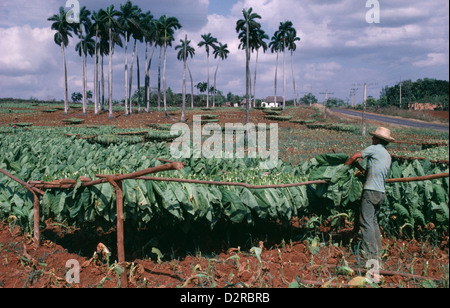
[378,165]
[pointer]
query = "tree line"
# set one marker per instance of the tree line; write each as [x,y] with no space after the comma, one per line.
[402,95]
[98,34]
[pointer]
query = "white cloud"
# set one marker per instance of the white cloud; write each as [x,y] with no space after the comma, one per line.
[321,71]
[382,36]
[26,50]
[433,59]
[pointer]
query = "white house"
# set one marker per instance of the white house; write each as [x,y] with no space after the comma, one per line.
[272,102]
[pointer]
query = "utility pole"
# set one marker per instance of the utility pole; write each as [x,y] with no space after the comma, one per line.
[326,100]
[400,93]
[352,96]
[310,96]
[363,124]
[364,111]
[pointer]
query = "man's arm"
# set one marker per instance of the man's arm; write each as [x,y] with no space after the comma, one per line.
[353,161]
[353,158]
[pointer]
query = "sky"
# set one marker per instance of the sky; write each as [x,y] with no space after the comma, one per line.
[344,44]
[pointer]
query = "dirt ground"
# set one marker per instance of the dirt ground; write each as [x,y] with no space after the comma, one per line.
[407,264]
[323,263]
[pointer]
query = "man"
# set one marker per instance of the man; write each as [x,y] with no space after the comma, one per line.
[374,193]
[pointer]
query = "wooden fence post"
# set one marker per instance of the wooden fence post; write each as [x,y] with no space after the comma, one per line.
[120,232]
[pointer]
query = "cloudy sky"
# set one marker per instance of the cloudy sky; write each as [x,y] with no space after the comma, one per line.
[339,50]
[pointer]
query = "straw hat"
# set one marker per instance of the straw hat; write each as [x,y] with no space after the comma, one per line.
[383,133]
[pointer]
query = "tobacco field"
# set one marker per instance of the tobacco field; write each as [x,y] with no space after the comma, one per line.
[232,214]
[48,154]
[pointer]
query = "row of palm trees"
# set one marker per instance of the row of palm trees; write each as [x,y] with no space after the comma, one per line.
[98,34]
[252,38]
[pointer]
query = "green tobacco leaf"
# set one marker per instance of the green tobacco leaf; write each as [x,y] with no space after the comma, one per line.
[332,159]
[341,172]
[234,208]
[441,210]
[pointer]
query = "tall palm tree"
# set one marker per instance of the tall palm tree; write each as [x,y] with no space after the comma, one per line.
[221,51]
[127,19]
[148,28]
[61,39]
[258,42]
[137,36]
[247,24]
[276,45]
[292,46]
[167,27]
[111,23]
[283,33]
[84,47]
[83,26]
[186,51]
[209,42]
[97,27]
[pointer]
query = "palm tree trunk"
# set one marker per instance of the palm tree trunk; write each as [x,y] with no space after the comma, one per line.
[192,87]
[147,79]
[215,77]
[293,78]
[126,72]
[131,75]
[164,81]
[284,76]
[247,90]
[159,79]
[110,75]
[254,82]
[96,75]
[103,86]
[207,90]
[139,83]
[66,94]
[276,78]
[183,106]
[84,84]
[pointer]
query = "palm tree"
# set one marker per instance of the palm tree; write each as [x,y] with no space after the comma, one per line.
[209,42]
[127,17]
[292,46]
[276,45]
[190,52]
[283,34]
[246,25]
[111,23]
[184,58]
[185,51]
[167,27]
[148,28]
[84,47]
[97,27]
[137,36]
[220,52]
[257,43]
[202,87]
[84,25]
[61,39]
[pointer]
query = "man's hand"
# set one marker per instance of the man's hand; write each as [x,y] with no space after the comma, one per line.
[353,158]
[353,161]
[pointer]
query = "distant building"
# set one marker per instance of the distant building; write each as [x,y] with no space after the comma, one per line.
[422,106]
[272,102]
[244,103]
